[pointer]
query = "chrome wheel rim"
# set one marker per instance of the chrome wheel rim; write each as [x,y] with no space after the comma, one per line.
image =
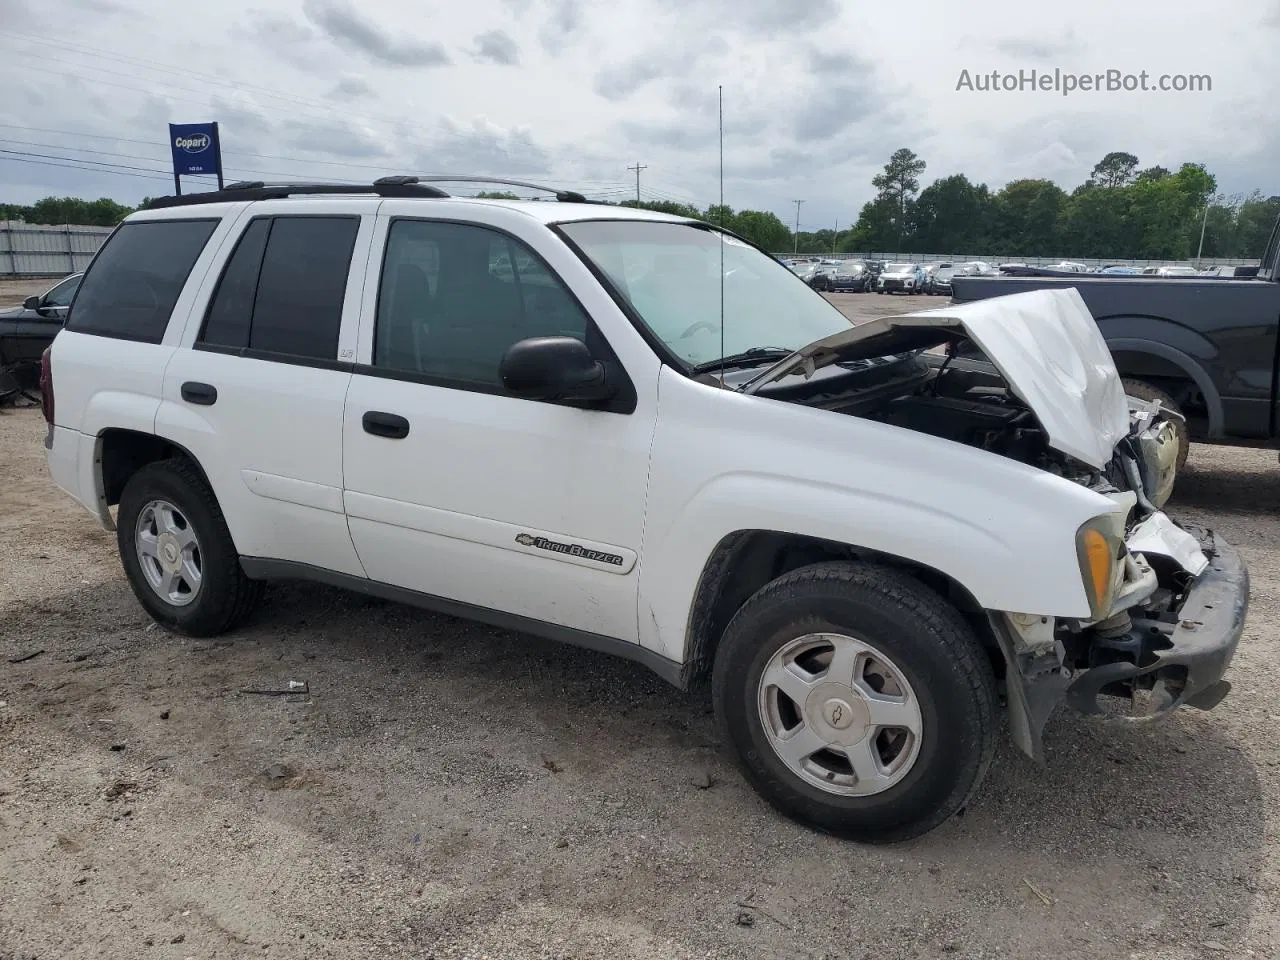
[169,553]
[840,714]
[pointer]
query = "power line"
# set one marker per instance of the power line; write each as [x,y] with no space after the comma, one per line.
[637,168]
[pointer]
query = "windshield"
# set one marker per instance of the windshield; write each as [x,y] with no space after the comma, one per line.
[670,275]
[850,269]
[899,268]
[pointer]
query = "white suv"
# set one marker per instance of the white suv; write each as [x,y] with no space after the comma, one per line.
[632,432]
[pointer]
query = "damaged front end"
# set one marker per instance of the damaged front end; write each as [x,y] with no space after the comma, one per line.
[1029,377]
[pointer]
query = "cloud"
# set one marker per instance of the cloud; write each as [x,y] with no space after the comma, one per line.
[564,21]
[1039,47]
[344,25]
[496,46]
[351,87]
[762,16]
[479,147]
[620,80]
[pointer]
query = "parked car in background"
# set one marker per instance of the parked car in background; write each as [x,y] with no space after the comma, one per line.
[26,330]
[1170,272]
[940,282]
[804,269]
[975,268]
[852,276]
[898,278]
[1120,269]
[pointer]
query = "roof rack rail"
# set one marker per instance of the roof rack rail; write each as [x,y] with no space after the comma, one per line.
[564,196]
[242,190]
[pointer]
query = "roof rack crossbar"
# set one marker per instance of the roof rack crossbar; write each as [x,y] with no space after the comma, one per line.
[242,190]
[564,196]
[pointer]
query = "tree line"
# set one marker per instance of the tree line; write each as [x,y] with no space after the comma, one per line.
[1122,211]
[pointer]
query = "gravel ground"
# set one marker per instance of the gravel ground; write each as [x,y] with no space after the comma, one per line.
[444,789]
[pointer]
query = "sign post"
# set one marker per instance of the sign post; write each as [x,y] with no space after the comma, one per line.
[195,150]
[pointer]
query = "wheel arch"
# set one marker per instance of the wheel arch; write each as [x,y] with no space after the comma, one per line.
[1139,359]
[119,453]
[745,560]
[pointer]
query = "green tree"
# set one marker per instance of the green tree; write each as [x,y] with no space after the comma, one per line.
[1025,219]
[951,216]
[762,228]
[1114,170]
[876,230]
[897,186]
[1254,222]
[496,195]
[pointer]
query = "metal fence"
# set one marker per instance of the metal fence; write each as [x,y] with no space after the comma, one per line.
[39,250]
[1028,261]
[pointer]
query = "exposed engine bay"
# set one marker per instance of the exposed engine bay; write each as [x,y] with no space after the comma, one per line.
[965,400]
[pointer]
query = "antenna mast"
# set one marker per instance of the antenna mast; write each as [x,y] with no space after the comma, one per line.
[721,212]
[796,249]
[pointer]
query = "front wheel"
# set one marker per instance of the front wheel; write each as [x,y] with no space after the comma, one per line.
[857,701]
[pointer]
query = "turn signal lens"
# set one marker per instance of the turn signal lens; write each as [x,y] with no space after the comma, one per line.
[1099,554]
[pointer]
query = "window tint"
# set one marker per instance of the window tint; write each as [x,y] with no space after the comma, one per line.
[298,307]
[227,323]
[133,283]
[454,297]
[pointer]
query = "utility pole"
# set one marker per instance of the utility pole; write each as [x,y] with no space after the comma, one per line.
[637,168]
[796,248]
[835,235]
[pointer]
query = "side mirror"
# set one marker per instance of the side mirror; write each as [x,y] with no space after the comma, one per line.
[31,303]
[554,368]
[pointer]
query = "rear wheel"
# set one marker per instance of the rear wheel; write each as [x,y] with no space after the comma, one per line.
[178,554]
[1145,391]
[857,701]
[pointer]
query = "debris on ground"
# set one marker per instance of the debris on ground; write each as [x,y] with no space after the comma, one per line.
[24,657]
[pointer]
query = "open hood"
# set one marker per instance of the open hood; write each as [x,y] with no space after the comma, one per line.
[1045,344]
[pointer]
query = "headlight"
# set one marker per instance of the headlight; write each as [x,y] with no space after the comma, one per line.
[1098,547]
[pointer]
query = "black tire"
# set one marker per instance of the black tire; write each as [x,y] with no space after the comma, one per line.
[225,596]
[928,641]
[1145,391]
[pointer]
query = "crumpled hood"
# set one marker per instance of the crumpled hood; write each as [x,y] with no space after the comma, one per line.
[1045,344]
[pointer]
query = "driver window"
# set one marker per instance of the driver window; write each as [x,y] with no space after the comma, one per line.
[453,297]
[60,295]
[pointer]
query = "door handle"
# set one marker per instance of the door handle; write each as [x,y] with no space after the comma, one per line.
[204,394]
[385,425]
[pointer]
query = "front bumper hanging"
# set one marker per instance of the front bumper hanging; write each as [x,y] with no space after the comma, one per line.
[1181,649]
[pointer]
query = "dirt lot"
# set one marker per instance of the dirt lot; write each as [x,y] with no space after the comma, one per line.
[444,789]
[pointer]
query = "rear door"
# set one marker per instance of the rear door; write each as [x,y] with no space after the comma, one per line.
[257,394]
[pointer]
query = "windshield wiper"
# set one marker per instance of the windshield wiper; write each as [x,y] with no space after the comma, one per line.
[744,359]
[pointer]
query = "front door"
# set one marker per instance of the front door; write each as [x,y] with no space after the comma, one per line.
[457,489]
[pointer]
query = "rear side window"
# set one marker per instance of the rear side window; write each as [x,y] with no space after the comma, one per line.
[283,287]
[227,323]
[136,278]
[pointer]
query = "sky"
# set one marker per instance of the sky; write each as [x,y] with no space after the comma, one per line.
[816,94]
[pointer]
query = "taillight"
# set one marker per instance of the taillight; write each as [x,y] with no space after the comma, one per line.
[46,384]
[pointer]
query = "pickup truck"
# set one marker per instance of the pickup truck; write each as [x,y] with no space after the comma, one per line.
[1205,348]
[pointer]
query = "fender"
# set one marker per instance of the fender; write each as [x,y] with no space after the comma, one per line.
[1184,362]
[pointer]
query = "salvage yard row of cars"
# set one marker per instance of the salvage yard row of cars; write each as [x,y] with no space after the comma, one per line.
[878,276]
[334,383]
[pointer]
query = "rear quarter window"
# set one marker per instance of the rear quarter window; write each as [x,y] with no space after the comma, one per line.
[136,278]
